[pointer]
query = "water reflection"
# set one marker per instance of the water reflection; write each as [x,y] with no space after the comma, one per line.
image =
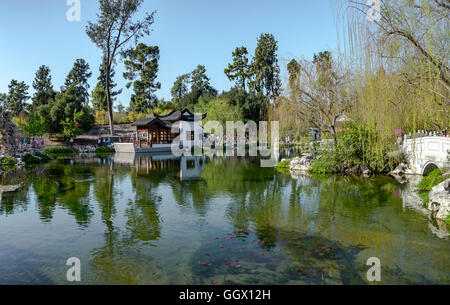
[190,167]
[156,219]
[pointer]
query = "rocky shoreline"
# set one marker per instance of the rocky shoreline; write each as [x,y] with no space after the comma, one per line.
[301,165]
[439,203]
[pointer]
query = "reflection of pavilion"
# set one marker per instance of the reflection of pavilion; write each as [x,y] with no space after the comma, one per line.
[189,167]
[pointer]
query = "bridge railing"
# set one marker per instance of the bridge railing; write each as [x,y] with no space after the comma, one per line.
[422,134]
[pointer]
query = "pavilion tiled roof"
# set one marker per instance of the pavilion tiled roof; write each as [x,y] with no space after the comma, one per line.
[175,115]
[144,121]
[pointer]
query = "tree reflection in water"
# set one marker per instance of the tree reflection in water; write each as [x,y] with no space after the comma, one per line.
[310,230]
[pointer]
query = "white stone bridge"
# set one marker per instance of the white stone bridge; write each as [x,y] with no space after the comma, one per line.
[426,153]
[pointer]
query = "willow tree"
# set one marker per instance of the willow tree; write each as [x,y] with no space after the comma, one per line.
[409,41]
[113,31]
[322,91]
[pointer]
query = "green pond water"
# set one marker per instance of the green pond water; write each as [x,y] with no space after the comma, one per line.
[162,220]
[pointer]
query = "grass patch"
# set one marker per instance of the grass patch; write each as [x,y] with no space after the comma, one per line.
[433,179]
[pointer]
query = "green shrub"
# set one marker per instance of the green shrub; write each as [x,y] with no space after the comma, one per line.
[8,161]
[31,159]
[60,150]
[104,150]
[44,157]
[433,179]
[327,163]
[71,129]
[85,118]
[284,164]
[38,158]
[354,148]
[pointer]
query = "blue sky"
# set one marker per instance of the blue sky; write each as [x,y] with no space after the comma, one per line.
[188,32]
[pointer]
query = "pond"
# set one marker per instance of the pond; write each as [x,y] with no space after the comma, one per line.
[165,220]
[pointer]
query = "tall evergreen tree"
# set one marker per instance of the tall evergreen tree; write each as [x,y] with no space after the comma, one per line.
[17,96]
[265,66]
[141,66]
[200,81]
[293,68]
[78,78]
[114,29]
[99,93]
[180,86]
[180,89]
[238,71]
[43,87]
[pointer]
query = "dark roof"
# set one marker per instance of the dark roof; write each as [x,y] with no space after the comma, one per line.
[175,115]
[142,122]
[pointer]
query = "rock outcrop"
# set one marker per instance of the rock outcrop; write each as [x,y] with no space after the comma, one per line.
[439,204]
[8,132]
[401,170]
[301,164]
[351,169]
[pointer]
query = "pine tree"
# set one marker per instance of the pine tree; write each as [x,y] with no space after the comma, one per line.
[17,96]
[265,67]
[200,81]
[78,78]
[239,70]
[99,93]
[142,64]
[113,31]
[43,87]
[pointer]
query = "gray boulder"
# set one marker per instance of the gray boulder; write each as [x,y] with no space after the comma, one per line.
[365,170]
[402,169]
[302,163]
[439,203]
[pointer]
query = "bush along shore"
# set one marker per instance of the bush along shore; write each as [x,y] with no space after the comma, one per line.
[33,157]
[104,150]
[352,152]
